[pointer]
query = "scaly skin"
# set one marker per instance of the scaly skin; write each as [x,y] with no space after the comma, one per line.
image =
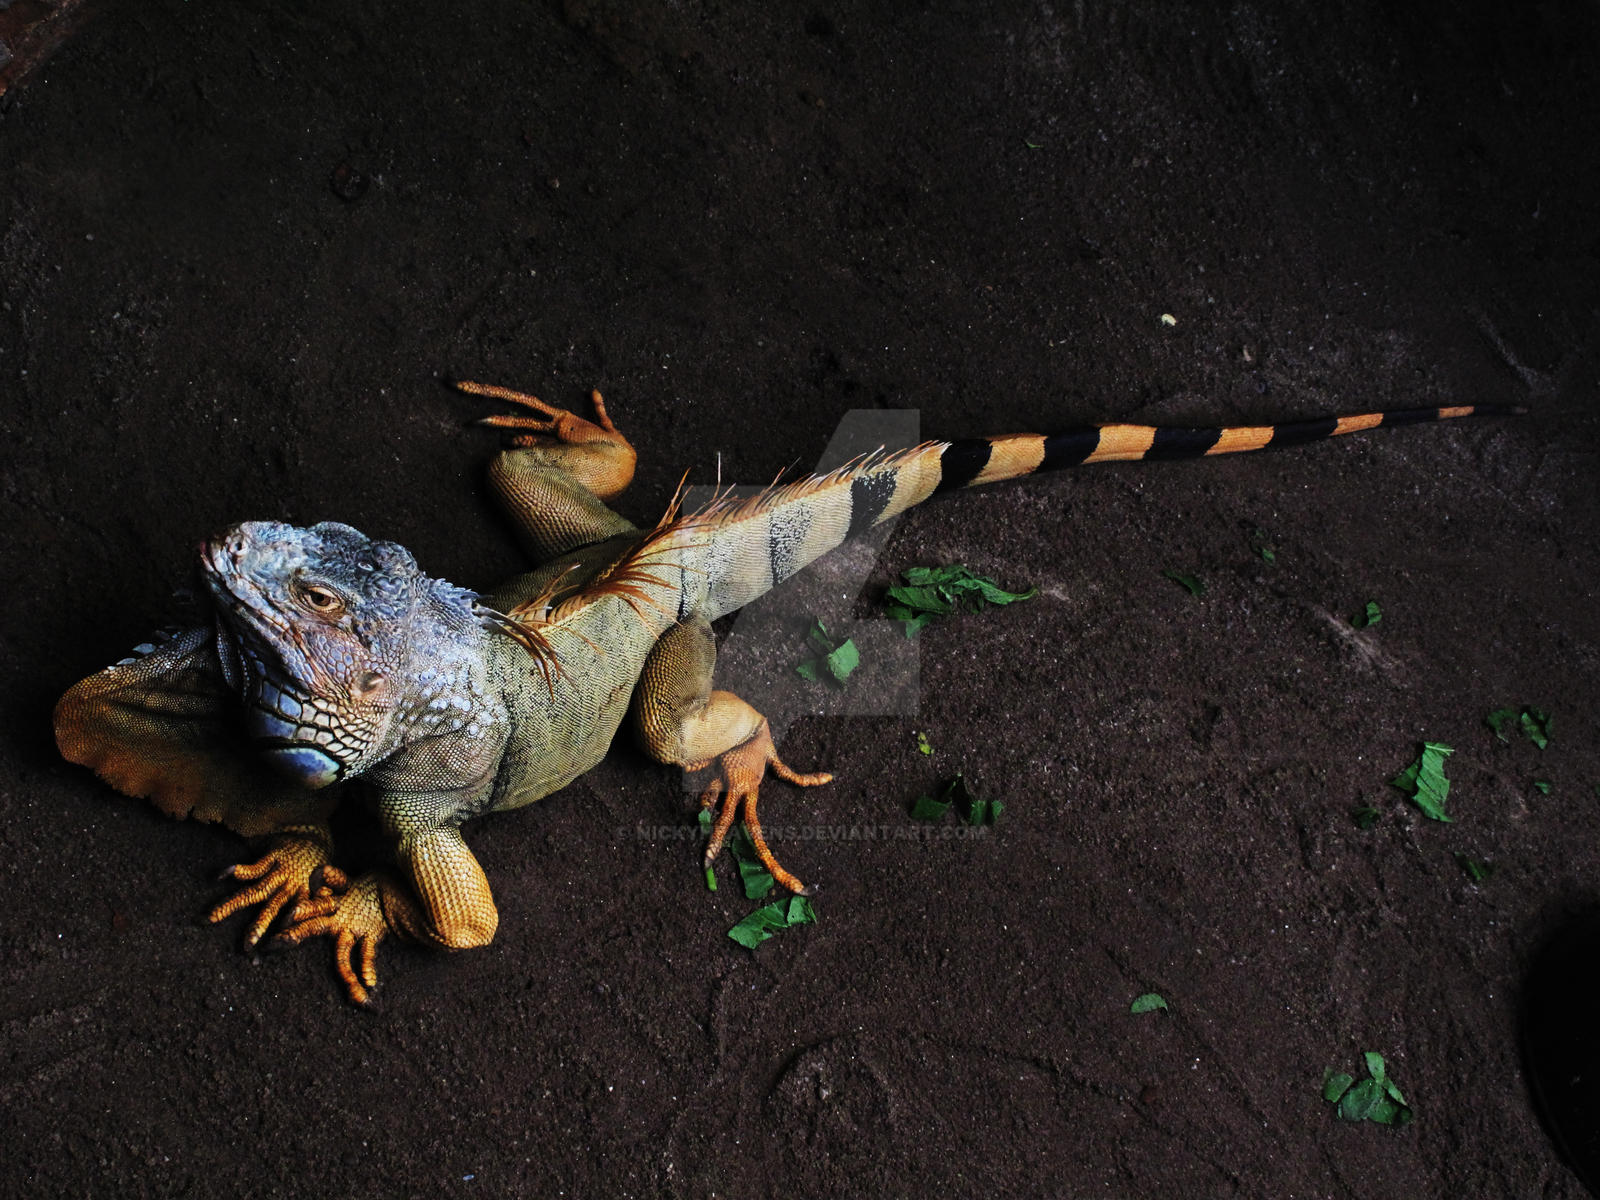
[334,658]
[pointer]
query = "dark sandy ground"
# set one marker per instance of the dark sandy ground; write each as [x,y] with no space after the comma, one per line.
[240,247]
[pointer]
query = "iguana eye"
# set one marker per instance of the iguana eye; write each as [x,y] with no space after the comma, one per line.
[320,599]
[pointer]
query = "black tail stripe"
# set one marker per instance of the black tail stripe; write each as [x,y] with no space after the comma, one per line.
[1182,443]
[1410,416]
[869,496]
[1069,448]
[1295,433]
[962,462]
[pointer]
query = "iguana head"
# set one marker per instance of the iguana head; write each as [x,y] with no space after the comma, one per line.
[319,629]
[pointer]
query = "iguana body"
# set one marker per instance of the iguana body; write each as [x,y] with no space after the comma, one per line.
[333,658]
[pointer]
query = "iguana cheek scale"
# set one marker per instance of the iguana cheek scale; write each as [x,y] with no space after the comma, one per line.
[333,658]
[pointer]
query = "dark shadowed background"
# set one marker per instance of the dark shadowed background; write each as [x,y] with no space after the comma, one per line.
[241,247]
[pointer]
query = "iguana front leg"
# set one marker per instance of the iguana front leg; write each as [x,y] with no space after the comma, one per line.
[294,869]
[440,898]
[681,720]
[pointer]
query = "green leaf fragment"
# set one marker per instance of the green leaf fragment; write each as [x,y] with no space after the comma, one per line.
[1375,1098]
[705,828]
[1148,1002]
[1499,720]
[1191,582]
[1477,870]
[927,808]
[753,874]
[1424,782]
[843,659]
[1367,617]
[932,592]
[1542,786]
[1365,817]
[830,660]
[771,919]
[972,810]
[924,746]
[1535,723]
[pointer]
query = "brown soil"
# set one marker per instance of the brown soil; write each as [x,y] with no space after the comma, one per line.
[240,247]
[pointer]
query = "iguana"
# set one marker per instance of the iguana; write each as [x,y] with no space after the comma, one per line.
[332,658]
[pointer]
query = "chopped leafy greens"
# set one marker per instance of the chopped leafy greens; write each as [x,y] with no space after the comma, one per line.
[1148,1002]
[773,918]
[927,808]
[1259,543]
[1191,582]
[1375,1098]
[756,878]
[1534,722]
[929,593]
[1424,782]
[968,807]
[831,659]
[705,828]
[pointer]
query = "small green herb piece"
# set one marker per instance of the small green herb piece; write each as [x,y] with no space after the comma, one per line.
[929,593]
[1365,817]
[1191,582]
[970,808]
[1260,544]
[927,808]
[1375,1098]
[1424,782]
[923,745]
[1335,1085]
[1148,1002]
[753,874]
[773,918]
[1542,786]
[1367,617]
[705,828]
[1534,722]
[830,659]
[1477,870]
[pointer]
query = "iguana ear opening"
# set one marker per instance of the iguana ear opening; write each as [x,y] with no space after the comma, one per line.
[161,728]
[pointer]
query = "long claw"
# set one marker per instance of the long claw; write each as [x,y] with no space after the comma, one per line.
[293,869]
[737,785]
[354,919]
[553,422]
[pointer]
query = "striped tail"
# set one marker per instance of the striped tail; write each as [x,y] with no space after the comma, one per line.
[740,549]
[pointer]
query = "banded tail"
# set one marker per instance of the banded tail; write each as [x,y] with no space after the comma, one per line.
[736,550]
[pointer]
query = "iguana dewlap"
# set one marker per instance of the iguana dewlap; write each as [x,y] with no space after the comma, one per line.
[333,658]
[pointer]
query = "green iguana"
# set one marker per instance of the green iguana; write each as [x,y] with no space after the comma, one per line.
[332,658]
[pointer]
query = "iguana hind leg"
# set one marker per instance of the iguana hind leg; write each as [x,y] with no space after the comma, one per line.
[558,473]
[681,720]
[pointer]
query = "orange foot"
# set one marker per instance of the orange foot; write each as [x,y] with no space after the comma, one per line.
[293,870]
[737,783]
[355,920]
[555,422]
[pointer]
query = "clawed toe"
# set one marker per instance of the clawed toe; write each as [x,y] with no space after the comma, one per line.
[737,784]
